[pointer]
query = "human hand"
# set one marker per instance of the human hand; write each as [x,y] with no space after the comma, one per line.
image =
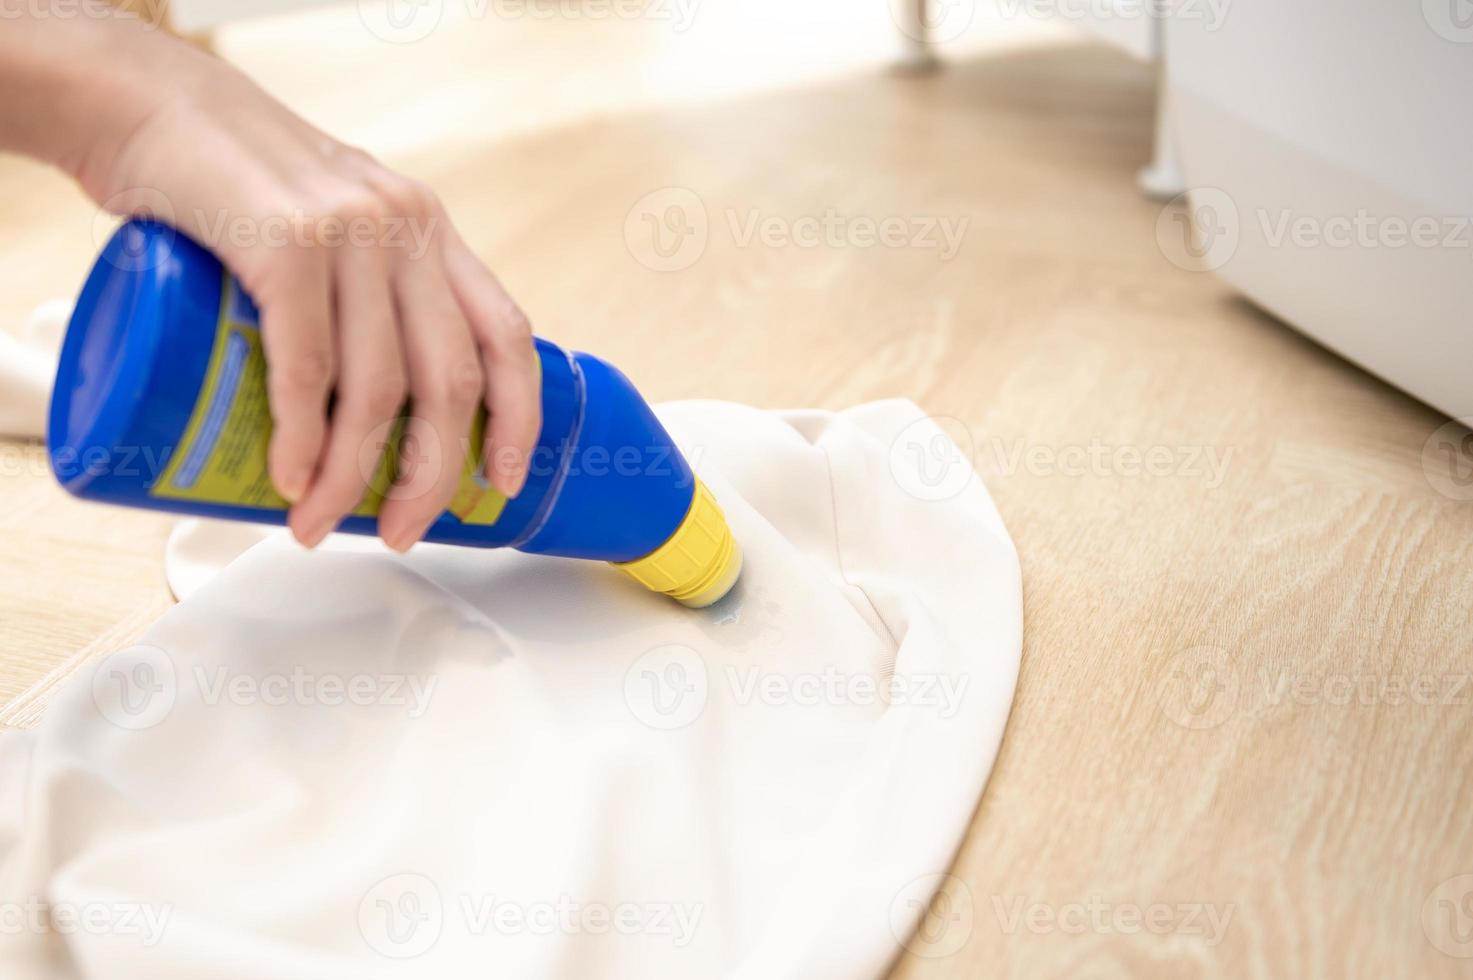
[368,295]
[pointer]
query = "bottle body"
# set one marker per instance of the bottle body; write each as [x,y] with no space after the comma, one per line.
[160,402]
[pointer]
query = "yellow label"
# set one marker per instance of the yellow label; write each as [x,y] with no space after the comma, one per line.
[222,457]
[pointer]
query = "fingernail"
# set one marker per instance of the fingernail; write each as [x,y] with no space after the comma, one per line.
[319,531]
[292,485]
[401,541]
[508,476]
[509,484]
[500,468]
[308,535]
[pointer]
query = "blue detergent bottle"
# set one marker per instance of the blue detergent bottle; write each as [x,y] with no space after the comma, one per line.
[160,402]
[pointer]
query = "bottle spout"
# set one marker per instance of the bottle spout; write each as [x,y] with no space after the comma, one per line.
[699,563]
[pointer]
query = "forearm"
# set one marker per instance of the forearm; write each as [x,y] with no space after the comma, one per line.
[76,77]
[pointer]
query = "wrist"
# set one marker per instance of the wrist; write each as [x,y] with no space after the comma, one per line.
[79,78]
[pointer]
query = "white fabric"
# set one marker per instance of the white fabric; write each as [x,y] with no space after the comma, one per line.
[576,778]
[27,369]
[199,548]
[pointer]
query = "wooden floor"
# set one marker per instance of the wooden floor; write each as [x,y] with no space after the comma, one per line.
[1243,732]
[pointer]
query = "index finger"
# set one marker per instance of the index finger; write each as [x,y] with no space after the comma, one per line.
[509,357]
[296,335]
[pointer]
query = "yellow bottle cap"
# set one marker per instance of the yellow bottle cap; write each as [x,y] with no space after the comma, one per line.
[699,563]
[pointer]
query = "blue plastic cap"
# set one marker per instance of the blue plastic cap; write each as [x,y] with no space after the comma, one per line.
[110,350]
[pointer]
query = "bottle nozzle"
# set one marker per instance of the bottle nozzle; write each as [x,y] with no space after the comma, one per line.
[699,563]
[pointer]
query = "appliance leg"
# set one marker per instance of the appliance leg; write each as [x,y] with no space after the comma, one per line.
[913,17]
[1162,179]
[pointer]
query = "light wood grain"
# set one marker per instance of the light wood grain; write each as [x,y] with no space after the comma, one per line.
[1318,556]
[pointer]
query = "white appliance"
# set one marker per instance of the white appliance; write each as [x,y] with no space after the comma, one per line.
[1329,147]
